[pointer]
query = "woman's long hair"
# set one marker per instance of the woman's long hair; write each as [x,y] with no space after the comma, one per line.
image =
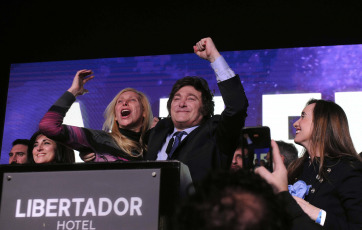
[110,125]
[330,137]
[63,154]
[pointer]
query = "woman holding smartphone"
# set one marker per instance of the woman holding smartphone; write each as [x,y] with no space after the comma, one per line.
[330,169]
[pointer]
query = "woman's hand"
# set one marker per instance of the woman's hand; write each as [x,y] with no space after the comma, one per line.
[154,122]
[86,157]
[310,210]
[80,78]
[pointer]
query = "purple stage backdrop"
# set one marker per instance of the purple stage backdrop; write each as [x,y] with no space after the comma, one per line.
[331,72]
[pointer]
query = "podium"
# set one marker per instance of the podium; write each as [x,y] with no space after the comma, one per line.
[90,196]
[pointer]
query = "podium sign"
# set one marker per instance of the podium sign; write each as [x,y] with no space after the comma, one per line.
[85,200]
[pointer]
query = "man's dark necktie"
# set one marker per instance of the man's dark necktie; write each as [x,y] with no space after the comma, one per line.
[176,139]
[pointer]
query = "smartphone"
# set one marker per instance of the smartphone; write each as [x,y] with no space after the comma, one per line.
[256,148]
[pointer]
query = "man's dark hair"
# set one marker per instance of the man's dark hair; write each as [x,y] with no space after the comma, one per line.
[21,142]
[235,201]
[289,151]
[200,85]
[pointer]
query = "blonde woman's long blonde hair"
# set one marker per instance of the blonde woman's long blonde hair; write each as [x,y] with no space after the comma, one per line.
[110,125]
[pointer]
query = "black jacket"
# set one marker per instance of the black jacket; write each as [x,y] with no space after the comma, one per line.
[212,144]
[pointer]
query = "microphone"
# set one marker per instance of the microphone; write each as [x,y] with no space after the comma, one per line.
[169,146]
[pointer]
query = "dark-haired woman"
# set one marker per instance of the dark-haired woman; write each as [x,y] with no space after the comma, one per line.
[44,150]
[330,171]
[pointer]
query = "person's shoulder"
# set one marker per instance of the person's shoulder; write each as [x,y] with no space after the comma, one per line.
[214,118]
[346,175]
[165,123]
[344,166]
[211,121]
[351,162]
[96,134]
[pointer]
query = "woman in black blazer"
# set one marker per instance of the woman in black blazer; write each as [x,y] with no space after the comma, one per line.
[330,171]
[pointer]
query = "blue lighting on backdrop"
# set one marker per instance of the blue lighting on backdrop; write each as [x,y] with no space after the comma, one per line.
[34,87]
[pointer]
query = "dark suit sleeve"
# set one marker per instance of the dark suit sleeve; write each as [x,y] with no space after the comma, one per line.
[233,117]
[300,220]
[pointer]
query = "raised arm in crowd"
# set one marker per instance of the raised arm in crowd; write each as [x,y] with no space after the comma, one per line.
[127,118]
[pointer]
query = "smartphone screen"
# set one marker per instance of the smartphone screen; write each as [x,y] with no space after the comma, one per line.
[256,147]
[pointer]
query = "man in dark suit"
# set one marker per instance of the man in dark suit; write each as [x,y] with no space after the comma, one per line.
[208,141]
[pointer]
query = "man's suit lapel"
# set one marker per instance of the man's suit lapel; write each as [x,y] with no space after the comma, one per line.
[159,136]
[184,142]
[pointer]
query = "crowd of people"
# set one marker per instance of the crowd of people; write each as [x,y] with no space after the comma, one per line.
[321,189]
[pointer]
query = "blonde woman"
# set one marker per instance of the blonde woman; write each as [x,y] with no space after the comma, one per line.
[128,117]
